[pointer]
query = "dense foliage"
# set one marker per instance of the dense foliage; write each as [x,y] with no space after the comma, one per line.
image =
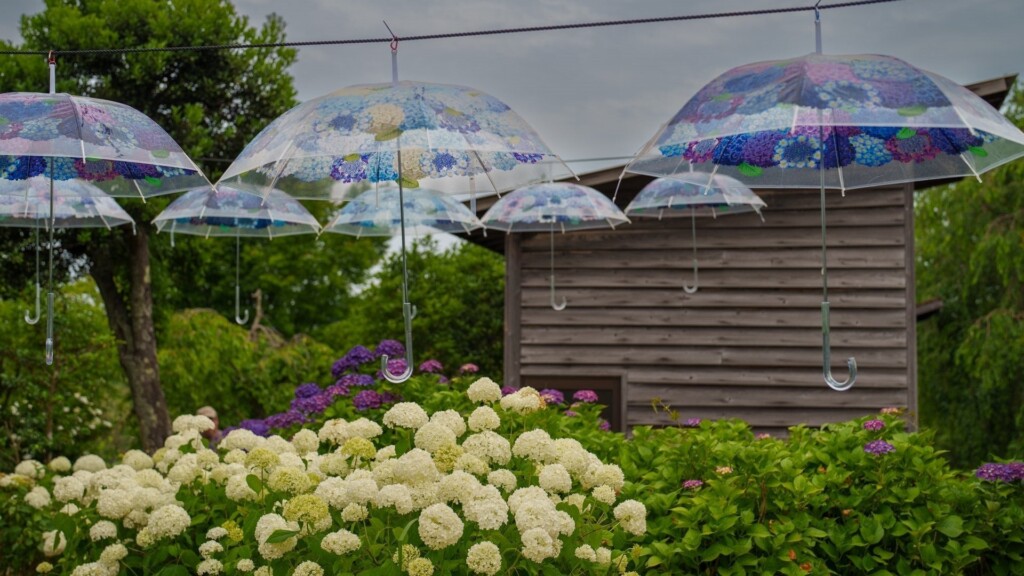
[971,354]
[459,295]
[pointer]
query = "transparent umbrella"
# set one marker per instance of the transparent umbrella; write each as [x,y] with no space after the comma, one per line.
[551,206]
[831,121]
[225,211]
[694,194]
[453,139]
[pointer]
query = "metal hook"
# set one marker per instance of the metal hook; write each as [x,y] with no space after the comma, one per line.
[239,319]
[693,229]
[851,362]
[408,311]
[554,304]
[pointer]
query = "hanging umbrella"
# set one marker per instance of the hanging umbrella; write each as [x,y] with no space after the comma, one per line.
[694,194]
[831,121]
[27,205]
[457,140]
[225,211]
[376,213]
[70,138]
[554,205]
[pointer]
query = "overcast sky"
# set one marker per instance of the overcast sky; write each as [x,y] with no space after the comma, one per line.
[603,92]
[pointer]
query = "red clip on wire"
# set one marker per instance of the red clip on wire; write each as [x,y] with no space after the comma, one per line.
[50,58]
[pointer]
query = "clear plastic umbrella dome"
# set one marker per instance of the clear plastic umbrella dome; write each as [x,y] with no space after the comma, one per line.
[453,139]
[377,213]
[870,119]
[82,205]
[697,194]
[226,211]
[560,206]
[111,145]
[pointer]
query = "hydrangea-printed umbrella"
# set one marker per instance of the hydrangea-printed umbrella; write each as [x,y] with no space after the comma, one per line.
[225,211]
[110,145]
[453,139]
[545,207]
[376,213]
[694,194]
[27,205]
[831,121]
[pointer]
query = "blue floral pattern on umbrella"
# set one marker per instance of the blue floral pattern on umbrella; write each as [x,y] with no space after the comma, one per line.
[376,213]
[26,204]
[225,211]
[556,205]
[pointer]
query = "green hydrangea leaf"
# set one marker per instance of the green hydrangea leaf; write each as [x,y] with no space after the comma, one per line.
[906,133]
[160,153]
[389,134]
[750,170]
[153,181]
[978,151]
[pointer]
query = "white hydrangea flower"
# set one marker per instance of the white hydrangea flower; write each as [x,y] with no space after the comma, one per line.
[364,428]
[555,479]
[209,567]
[216,533]
[573,456]
[293,460]
[91,569]
[238,490]
[632,516]
[405,415]
[332,491]
[486,508]
[439,526]
[38,498]
[239,439]
[604,493]
[526,494]
[289,479]
[70,509]
[523,401]
[484,418]
[604,556]
[386,453]
[187,422]
[209,548]
[279,445]
[265,528]
[245,565]
[305,441]
[537,513]
[60,465]
[396,496]
[489,447]
[308,568]
[113,553]
[102,530]
[609,474]
[90,463]
[416,467]
[137,459]
[423,495]
[360,488]
[114,503]
[434,435]
[535,445]
[340,542]
[457,487]
[586,552]
[30,468]
[472,464]
[185,470]
[484,558]
[538,545]
[452,419]
[168,521]
[576,500]
[484,390]
[384,472]
[53,543]
[354,512]
[235,456]
[503,479]
[333,464]
[264,571]
[334,431]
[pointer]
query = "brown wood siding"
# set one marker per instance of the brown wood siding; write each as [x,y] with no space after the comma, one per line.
[748,343]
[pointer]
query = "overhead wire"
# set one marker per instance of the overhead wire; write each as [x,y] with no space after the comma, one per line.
[448,35]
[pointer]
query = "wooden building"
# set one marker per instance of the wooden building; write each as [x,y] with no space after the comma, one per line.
[746,345]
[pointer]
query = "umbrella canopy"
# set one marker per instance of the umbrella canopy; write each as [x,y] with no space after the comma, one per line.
[553,206]
[376,213]
[81,205]
[226,211]
[868,119]
[117,148]
[831,121]
[452,139]
[694,194]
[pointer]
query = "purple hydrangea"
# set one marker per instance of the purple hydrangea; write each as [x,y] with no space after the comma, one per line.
[692,484]
[443,379]
[390,398]
[337,389]
[313,404]
[585,396]
[692,423]
[469,368]
[356,380]
[391,348]
[604,425]
[366,400]
[352,359]
[431,367]
[1001,472]
[285,419]
[506,390]
[256,426]
[395,366]
[874,425]
[879,447]
[307,390]
[571,413]
[552,396]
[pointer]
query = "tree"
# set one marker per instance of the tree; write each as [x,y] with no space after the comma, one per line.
[459,295]
[971,355]
[212,102]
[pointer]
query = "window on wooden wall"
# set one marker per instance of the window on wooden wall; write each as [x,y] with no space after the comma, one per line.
[610,393]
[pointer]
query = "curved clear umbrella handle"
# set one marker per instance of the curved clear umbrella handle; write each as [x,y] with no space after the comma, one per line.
[851,362]
[409,311]
[28,314]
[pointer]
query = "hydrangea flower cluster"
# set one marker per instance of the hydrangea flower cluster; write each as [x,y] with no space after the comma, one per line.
[1001,472]
[460,487]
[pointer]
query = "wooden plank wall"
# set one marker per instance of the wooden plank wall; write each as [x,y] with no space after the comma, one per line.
[748,343]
